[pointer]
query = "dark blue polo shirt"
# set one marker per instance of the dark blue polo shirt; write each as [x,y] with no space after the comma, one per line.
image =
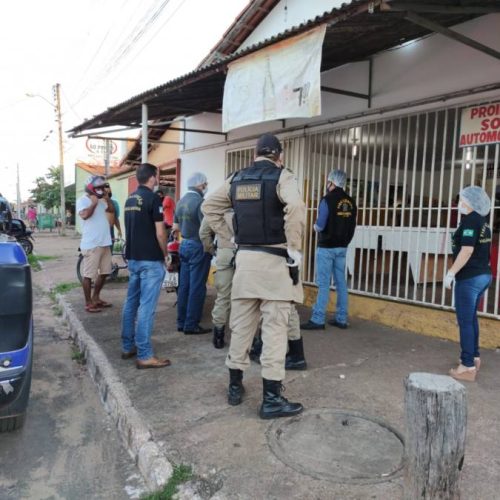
[142,209]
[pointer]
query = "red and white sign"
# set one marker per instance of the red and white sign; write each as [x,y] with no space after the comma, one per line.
[480,125]
[98,147]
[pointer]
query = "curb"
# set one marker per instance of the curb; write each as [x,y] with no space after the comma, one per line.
[136,435]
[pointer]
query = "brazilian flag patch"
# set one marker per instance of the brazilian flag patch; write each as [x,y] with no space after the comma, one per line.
[468,232]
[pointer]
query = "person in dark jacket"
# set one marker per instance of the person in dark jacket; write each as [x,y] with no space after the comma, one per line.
[335,226]
[146,252]
[5,214]
[195,262]
[471,274]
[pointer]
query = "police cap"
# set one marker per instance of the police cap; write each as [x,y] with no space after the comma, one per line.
[268,144]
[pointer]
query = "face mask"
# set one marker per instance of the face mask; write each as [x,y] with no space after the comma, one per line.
[99,193]
[204,191]
[155,188]
[462,208]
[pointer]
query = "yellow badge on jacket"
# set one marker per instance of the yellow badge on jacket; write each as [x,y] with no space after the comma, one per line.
[248,192]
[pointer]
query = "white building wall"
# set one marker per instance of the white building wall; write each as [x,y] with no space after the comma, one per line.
[437,65]
[424,68]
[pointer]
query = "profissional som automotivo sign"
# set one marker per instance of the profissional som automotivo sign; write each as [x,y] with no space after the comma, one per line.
[480,125]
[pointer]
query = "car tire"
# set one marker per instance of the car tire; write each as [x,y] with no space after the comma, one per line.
[10,424]
[13,417]
[26,244]
[78,268]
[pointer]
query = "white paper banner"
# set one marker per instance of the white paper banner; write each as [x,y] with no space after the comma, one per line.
[277,82]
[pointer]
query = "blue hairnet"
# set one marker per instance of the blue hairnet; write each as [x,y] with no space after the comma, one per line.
[338,177]
[477,199]
[197,179]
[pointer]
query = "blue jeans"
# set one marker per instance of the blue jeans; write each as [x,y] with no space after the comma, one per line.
[195,264]
[144,286]
[468,293]
[330,261]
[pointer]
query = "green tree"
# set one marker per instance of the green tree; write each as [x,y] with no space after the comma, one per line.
[47,190]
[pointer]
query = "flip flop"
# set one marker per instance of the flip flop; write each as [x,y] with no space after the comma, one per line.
[92,308]
[101,303]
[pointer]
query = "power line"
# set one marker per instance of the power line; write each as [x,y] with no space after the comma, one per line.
[70,105]
[118,38]
[152,38]
[115,60]
[12,104]
[141,28]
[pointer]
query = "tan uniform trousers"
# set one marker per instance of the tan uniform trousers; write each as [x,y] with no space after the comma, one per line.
[294,324]
[245,315]
[223,284]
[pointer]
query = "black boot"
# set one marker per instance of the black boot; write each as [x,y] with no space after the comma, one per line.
[295,358]
[236,389]
[256,349]
[219,337]
[274,405]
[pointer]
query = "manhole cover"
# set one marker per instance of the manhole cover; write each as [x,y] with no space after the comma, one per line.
[339,445]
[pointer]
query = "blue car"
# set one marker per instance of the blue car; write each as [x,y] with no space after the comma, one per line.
[16,335]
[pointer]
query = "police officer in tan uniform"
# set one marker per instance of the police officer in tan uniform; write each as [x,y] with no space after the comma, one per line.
[269,217]
[224,249]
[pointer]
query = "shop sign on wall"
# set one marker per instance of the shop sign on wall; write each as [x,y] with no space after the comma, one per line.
[480,125]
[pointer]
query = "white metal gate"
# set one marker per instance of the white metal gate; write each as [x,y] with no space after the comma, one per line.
[405,174]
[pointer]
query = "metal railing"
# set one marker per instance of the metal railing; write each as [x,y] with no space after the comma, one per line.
[404,173]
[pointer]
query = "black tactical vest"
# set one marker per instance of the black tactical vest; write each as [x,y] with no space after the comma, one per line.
[258,212]
[341,223]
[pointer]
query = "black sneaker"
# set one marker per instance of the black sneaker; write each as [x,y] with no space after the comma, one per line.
[311,325]
[197,331]
[334,322]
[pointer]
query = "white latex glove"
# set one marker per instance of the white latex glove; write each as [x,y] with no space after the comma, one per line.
[316,228]
[296,256]
[449,279]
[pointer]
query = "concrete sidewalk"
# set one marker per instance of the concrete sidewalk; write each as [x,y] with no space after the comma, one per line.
[345,445]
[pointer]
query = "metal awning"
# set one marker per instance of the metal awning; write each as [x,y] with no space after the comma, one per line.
[355,31]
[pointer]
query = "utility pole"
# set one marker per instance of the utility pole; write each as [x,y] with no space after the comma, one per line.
[57,98]
[18,194]
[107,153]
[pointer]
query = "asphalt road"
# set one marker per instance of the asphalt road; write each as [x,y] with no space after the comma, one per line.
[68,448]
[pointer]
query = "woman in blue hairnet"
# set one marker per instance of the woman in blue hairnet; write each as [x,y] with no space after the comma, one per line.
[471,273]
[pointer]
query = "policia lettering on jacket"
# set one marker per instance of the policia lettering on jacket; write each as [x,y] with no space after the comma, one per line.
[254,199]
[269,216]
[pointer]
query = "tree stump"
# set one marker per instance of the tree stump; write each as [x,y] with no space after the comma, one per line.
[436,420]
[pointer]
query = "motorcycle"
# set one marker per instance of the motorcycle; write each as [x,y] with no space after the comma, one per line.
[171,280]
[23,235]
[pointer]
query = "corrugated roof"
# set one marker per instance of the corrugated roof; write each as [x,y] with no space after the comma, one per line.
[250,17]
[355,31]
[96,169]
